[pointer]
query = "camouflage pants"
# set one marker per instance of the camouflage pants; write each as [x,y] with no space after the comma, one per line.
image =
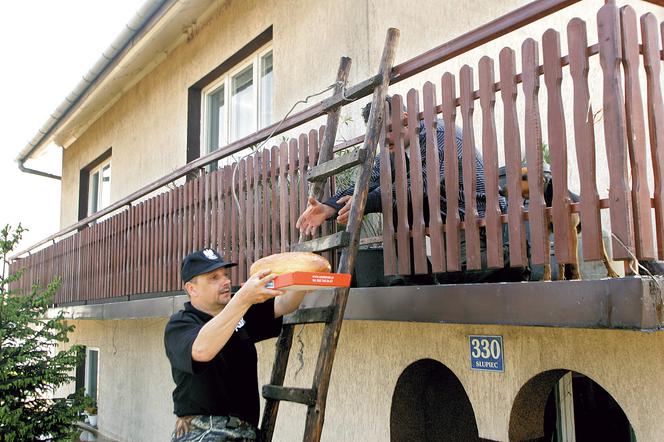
[213,428]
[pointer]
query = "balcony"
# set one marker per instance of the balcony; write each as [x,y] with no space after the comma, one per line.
[132,250]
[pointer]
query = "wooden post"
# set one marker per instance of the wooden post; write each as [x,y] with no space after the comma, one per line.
[293,193]
[389,246]
[451,178]
[557,146]
[473,255]
[400,186]
[539,233]
[242,226]
[436,226]
[248,213]
[584,139]
[636,136]
[283,197]
[419,245]
[651,62]
[494,229]
[276,204]
[615,131]
[517,237]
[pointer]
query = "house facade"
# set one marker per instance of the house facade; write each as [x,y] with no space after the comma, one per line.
[467,362]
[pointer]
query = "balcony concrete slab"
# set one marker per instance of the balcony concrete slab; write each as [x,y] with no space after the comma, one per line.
[633,303]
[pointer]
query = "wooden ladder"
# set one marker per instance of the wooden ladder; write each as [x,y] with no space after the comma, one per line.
[348,240]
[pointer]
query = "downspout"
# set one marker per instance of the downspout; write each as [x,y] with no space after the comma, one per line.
[22,168]
[147,15]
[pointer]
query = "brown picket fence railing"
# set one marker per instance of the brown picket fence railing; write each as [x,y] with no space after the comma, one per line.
[135,247]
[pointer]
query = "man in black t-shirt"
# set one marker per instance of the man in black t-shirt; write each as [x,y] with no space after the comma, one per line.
[210,345]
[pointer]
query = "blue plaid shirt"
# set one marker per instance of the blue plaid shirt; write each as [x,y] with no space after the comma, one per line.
[374,200]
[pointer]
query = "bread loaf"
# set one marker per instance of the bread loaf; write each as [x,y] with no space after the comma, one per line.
[291,262]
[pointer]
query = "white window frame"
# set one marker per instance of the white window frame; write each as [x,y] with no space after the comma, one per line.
[226,80]
[98,169]
[88,350]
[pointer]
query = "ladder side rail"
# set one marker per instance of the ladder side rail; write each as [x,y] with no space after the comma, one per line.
[285,339]
[315,414]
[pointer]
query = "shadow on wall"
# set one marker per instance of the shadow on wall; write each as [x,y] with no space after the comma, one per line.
[566,405]
[430,404]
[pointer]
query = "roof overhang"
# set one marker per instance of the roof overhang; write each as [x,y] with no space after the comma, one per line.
[157,28]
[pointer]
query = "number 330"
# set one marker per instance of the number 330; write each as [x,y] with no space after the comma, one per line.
[483,348]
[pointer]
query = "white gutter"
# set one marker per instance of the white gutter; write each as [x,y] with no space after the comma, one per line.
[148,14]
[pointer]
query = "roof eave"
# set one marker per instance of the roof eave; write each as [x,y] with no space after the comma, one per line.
[149,21]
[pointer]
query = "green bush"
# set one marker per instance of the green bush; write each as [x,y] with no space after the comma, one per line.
[32,366]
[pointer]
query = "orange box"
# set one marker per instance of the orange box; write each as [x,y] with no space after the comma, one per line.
[297,281]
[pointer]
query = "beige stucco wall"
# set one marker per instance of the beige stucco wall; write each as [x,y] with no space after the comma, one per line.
[135,384]
[147,126]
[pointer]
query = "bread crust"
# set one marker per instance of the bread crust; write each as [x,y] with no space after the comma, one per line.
[289,262]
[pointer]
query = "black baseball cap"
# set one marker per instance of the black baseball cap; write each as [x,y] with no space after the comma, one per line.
[202,261]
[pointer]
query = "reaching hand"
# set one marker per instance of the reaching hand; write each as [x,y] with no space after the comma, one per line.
[315,214]
[344,212]
[254,291]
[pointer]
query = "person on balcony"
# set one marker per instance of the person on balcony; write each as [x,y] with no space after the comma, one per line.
[210,346]
[339,205]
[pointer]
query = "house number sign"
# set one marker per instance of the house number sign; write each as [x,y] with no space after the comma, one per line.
[486,353]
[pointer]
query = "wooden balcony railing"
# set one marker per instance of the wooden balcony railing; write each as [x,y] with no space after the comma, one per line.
[623,121]
[139,248]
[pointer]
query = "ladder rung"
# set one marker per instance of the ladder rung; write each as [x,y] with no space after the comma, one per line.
[306,396]
[330,242]
[336,165]
[310,315]
[353,92]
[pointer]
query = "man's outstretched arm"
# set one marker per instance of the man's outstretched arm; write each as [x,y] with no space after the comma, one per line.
[214,335]
[288,303]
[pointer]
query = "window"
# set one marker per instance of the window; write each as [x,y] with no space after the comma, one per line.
[91,372]
[99,195]
[87,371]
[95,186]
[239,102]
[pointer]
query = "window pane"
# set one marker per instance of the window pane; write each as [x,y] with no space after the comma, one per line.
[80,369]
[91,374]
[242,103]
[93,192]
[266,90]
[216,119]
[105,194]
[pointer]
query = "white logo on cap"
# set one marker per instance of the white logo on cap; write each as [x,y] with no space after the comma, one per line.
[209,254]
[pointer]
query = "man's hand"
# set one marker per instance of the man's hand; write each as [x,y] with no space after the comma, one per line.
[344,212]
[315,214]
[254,291]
